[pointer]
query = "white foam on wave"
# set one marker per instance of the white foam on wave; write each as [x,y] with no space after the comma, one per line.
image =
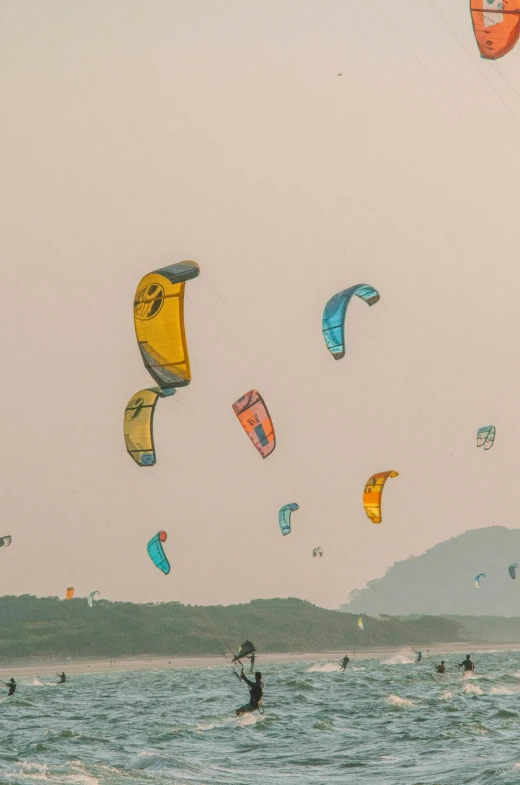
[398,659]
[246,719]
[36,682]
[445,696]
[404,703]
[504,690]
[328,667]
[43,772]
[358,669]
[473,689]
[230,722]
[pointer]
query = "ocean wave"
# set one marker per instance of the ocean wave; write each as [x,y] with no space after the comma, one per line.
[400,703]
[328,667]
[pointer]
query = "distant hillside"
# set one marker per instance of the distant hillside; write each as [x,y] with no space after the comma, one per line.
[440,581]
[32,627]
[490,629]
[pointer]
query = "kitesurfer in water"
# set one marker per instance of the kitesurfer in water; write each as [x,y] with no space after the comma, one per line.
[467,664]
[62,678]
[441,668]
[11,686]
[256,689]
[419,656]
[252,658]
[344,662]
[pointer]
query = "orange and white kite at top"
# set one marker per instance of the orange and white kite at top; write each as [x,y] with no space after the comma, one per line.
[373,494]
[497,26]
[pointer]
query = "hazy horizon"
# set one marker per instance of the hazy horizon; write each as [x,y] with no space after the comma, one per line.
[137,135]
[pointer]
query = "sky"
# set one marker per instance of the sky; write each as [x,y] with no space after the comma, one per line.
[292,148]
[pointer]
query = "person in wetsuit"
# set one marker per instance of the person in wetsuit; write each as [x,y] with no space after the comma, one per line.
[62,678]
[11,687]
[419,656]
[256,689]
[344,662]
[467,664]
[441,668]
[252,658]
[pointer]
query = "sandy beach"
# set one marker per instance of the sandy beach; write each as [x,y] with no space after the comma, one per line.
[70,666]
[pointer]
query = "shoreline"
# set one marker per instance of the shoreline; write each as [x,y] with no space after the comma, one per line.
[148,662]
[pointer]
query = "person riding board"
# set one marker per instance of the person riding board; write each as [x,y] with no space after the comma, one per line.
[256,690]
[62,678]
[344,662]
[467,664]
[441,668]
[419,656]
[252,658]
[11,686]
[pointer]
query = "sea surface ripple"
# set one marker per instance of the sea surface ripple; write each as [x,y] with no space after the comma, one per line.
[382,721]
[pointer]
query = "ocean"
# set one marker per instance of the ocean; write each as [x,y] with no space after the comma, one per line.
[382,721]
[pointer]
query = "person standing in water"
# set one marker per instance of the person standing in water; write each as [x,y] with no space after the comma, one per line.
[441,668]
[256,690]
[62,678]
[11,686]
[344,662]
[467,664]
[419,656]
[252,658]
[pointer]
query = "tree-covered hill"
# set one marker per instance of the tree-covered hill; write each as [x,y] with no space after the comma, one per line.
[440,581]
[32,627]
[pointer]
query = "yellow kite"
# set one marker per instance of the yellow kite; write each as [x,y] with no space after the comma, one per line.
[138,424]
[373,493]
[159,323]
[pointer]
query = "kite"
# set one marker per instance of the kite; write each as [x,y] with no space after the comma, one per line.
[159,323]
[373,493]
[284,517]
[5,541]
[138,424]
[333,321]
[243,651]
[91,598]
[70,593]
[256,421]
[496,24]
[317,552]
[512,570]
[360,624]
[157,554]
[486,437]
[478,577]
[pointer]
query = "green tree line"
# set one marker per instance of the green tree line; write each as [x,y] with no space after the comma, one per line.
[33,627]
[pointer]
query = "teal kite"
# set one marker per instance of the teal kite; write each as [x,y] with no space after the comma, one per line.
[157,554]
[333,321]
[486,437]
[91,598]
[284,517]
[478,577]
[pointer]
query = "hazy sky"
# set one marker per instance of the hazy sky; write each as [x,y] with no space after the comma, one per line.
[138,133]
